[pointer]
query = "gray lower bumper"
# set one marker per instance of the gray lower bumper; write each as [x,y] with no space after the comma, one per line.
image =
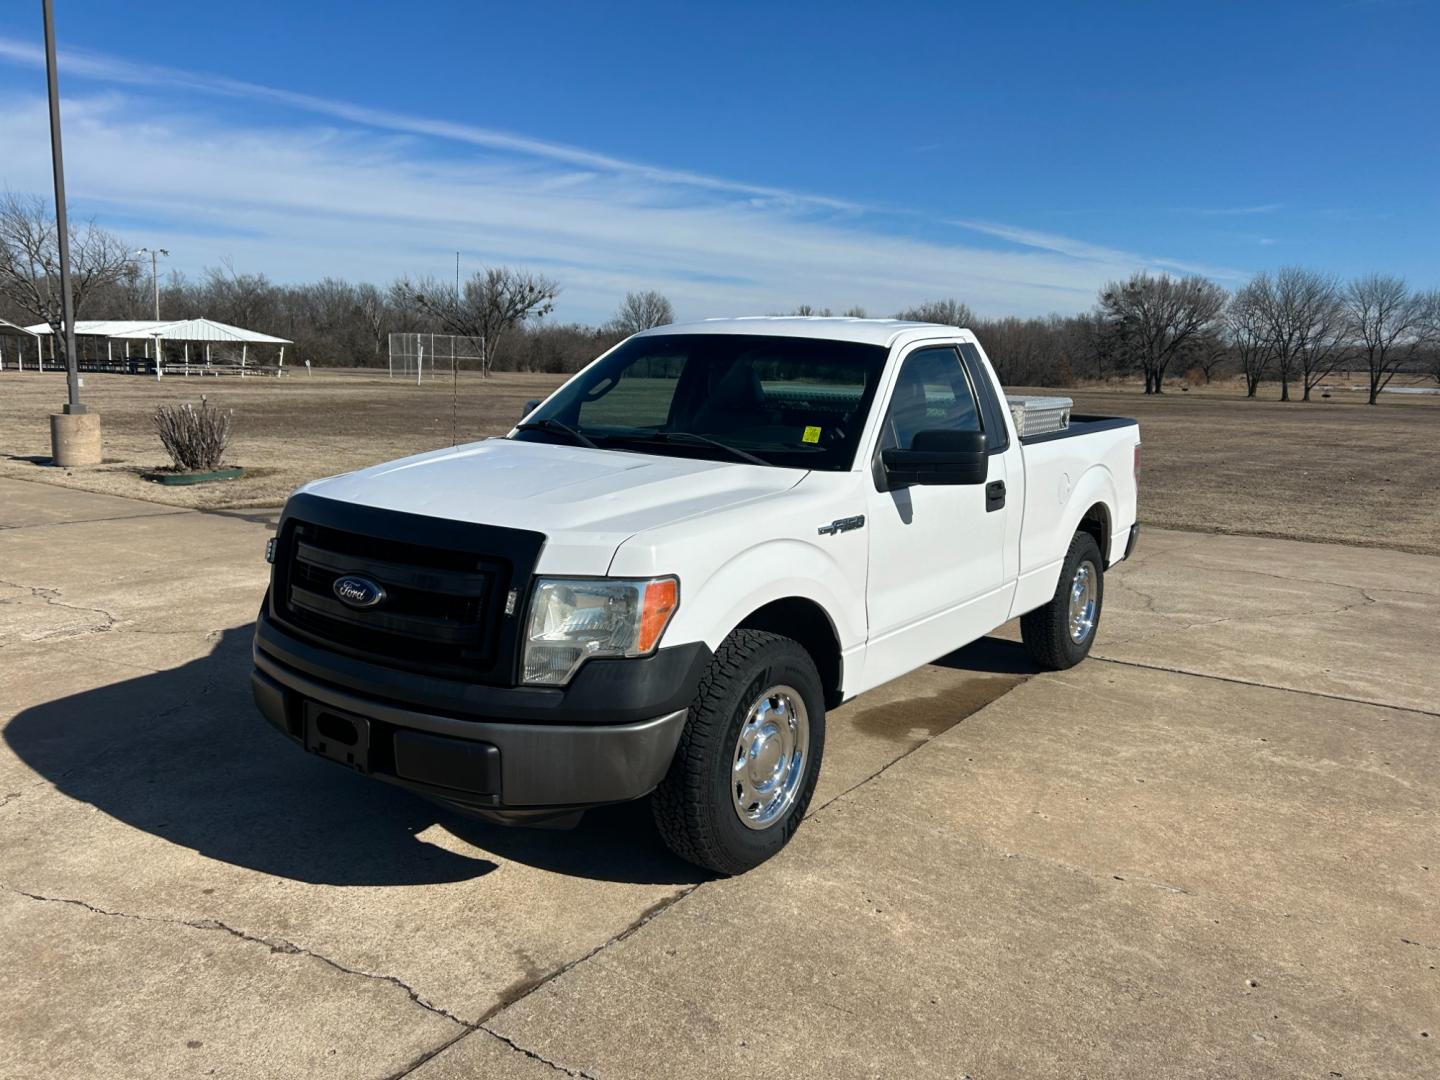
[541,766]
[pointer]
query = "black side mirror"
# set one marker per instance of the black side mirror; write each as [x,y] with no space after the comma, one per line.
[938,457]
[530,406]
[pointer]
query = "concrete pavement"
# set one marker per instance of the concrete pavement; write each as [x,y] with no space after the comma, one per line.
[1210,851]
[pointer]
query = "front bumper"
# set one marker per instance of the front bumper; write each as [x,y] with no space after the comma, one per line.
[536,751]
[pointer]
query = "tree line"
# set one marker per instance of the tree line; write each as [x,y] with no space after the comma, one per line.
[1294,327]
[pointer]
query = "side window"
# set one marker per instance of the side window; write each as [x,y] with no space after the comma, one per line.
[932,393]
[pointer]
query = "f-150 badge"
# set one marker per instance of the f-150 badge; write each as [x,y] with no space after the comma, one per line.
[840,525]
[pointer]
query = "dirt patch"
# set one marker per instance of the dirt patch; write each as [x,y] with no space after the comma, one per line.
[287,431]
[1334,470]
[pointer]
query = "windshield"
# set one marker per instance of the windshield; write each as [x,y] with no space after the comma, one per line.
[791,402]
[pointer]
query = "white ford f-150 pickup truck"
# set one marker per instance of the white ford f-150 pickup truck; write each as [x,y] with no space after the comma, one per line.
[663,577]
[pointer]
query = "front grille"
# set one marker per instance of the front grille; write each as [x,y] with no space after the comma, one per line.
[440,614]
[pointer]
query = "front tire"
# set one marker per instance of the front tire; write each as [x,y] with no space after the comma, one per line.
[1059,635]
[745,770]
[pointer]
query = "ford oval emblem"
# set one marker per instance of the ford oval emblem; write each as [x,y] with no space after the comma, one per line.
[358,592]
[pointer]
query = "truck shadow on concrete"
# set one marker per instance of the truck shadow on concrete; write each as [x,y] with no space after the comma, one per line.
[184,755]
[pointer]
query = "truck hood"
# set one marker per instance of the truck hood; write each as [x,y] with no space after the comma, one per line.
[586,502]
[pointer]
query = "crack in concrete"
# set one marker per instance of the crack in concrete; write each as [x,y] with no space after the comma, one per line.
[1322,581]
[654,911]
[434,1051]
[483,1024]
[275,946]
[1264,686]
[534,1056]
[51,597]
[1182,625]
[1139,564]
[91,521]
[282,946]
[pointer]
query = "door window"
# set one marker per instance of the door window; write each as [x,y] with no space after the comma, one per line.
[932,393]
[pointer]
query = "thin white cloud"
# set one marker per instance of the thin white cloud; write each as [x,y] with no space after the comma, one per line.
[375,197]
[117,70]
[1080,249]
[1238,211]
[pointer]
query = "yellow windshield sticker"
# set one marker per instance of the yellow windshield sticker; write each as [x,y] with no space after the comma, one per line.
[812,434]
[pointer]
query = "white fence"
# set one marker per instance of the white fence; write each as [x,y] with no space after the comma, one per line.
[421,356]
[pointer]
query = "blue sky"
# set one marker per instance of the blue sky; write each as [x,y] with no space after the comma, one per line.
[748,157]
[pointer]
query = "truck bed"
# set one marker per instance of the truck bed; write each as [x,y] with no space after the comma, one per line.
[1066,473]
[1082,425]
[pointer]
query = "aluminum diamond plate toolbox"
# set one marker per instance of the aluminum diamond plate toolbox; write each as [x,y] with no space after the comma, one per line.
[1039,415]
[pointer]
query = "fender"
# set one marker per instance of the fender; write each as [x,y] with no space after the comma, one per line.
[1096,485]
[1037,583]
[768,571]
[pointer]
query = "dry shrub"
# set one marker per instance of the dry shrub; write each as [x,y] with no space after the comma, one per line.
[195,439]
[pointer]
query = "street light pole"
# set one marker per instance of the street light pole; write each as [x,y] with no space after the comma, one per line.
[62,225]
[155,254]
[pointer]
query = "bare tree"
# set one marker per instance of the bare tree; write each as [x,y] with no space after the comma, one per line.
[1329,345]
[1429,356]
[375,314]
[1388,321]
[493,301]
[1205,352]
[806,311]
[242,299]
[856,312]
[945,312]
[1248,328]
[642,311]
[1156,316]
[1304,318]
[30,263]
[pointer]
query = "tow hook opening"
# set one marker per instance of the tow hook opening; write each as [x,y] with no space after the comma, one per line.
[337,729]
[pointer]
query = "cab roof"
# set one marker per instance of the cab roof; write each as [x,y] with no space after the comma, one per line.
[868,331]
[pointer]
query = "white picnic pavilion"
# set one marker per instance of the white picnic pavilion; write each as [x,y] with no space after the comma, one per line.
[127,333]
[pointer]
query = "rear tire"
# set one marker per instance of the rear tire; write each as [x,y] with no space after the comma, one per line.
[745,769]
[1059,635]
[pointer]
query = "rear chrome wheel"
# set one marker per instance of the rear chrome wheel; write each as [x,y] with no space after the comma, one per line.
[1083,602]
[770,755]
[1059,634]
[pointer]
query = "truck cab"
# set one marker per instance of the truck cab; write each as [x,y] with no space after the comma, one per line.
[663,577]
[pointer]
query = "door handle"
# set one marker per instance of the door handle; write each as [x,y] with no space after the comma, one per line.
[994,495]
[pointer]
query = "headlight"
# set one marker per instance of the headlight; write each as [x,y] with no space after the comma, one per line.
[574,619]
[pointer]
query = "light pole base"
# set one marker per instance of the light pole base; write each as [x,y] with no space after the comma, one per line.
[75,439]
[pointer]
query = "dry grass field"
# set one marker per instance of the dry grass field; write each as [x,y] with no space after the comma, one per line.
[1333,470]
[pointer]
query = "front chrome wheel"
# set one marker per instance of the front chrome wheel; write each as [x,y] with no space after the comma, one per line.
[1082,602]
[770,757]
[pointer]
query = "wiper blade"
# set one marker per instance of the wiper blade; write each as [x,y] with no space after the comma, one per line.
[557,425]
[696,440]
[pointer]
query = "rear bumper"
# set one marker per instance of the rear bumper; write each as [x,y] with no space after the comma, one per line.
[494,764]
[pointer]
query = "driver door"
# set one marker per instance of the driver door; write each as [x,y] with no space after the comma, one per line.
[937,570]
